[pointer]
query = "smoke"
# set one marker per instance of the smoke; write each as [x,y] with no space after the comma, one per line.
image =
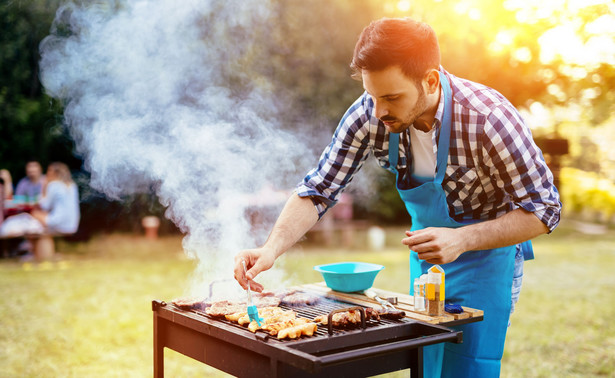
[162,94]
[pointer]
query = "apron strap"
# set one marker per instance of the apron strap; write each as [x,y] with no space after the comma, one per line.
[393,151]
[443,140]
[445,130]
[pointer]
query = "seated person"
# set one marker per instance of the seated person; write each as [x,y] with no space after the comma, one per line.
[15,222]
[31,185]
[58,208]
[5,175]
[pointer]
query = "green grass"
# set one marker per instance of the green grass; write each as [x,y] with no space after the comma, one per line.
[89,314]
[563,325]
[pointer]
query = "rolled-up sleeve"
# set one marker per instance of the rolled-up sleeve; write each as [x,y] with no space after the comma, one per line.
[519,166]
[340,160]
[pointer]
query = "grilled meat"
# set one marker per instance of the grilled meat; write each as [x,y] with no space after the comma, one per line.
[370,314]
[275,328]
[300,299]
[266,301]
[223,308]
[391,314]
[264,294]
[295,332]
[348,318]
[272,323]
[236,316]
[276,320]
[265,313]
[197,304]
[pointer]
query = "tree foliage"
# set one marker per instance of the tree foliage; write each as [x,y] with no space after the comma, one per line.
[303,59]
[30,122]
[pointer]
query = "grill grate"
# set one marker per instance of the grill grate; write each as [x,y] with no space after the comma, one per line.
[323,307]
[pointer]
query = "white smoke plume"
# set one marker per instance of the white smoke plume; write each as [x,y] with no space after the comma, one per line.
[148,98]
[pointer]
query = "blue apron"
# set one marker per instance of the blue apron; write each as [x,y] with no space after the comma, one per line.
[477,279]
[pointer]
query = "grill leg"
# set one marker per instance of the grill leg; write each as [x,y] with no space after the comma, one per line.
[158,350]
[416,358]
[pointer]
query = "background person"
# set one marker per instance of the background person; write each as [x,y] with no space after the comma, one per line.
[58,208]
[5,175]
[475,184]
[12,246]
[31,186]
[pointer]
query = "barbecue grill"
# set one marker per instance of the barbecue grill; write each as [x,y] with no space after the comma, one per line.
[376,347]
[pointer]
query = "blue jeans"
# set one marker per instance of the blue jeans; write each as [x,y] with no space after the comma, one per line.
[517,280]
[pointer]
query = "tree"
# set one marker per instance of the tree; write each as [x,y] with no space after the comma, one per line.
[30,122]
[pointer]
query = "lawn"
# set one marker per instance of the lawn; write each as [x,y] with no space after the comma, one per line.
[89,314]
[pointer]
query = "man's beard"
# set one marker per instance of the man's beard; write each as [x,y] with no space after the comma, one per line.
[412,116]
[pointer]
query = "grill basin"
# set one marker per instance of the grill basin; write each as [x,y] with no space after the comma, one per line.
[384,346]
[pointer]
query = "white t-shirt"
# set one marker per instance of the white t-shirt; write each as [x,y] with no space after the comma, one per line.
[423,157]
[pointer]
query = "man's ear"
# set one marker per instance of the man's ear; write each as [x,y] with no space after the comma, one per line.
[432,81]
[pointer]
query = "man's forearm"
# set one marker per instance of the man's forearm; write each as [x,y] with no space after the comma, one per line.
[512,228]
[297,217]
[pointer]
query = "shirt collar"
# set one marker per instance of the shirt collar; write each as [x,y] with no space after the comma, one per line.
[437,121]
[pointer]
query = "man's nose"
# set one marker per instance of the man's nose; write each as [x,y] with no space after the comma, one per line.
[380,110]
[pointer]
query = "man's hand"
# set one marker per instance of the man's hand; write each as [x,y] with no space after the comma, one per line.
[257,260]
[443,245]
[297,217]
[436,245]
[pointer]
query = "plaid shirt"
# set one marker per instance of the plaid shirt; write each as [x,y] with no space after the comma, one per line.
[494,166]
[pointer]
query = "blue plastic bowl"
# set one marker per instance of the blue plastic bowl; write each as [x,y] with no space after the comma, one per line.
[348,277]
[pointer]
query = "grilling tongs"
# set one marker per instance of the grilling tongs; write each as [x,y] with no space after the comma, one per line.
[252,310]
[370,293]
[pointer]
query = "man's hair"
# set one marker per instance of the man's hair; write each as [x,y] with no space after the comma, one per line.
[409,44]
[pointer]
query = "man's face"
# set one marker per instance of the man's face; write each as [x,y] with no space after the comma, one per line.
[398,101]
[33,171]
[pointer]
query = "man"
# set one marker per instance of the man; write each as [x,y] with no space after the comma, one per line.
[31,186]
[473,181]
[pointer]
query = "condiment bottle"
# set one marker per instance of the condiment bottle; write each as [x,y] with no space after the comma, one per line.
[419,300]
[419,293]
[423,286]
[435,291]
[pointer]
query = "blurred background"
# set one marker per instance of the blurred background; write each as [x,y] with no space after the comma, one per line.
[554,60]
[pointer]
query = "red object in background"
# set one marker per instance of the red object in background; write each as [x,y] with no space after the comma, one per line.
[17,209]
[150,225]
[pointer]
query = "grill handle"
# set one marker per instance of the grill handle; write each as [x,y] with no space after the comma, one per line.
[393,346]
[330,317]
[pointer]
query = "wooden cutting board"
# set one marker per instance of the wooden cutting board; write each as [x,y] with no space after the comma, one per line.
[404,302]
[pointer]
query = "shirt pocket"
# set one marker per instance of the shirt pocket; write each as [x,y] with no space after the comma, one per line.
[460,183]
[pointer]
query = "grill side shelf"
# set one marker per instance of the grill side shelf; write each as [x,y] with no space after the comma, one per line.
[406,303]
